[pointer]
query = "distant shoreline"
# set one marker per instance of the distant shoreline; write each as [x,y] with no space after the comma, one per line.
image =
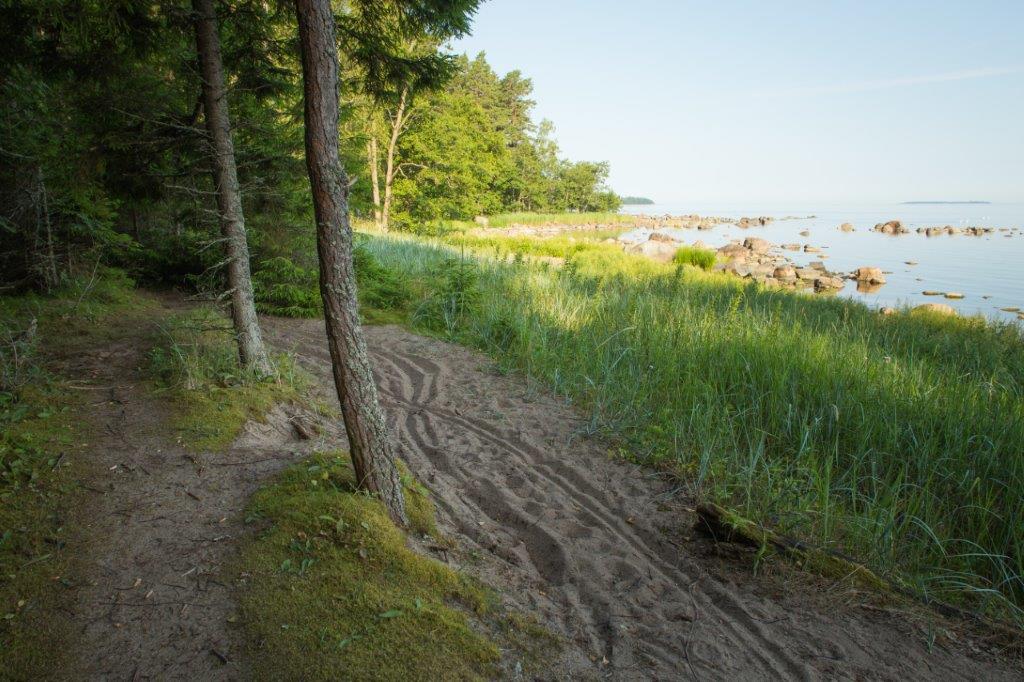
[636,201]
[910,203]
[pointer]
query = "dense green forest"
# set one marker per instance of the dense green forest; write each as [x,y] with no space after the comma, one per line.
[103,153]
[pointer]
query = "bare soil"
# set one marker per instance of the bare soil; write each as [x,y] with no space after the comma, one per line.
[598,551]
[159,521]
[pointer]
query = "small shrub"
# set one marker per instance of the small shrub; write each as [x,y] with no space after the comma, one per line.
[689,255]
[379,287]
[456,293]
[285,289]
[17,358]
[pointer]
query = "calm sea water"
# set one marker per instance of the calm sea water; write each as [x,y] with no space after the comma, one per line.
[988,270]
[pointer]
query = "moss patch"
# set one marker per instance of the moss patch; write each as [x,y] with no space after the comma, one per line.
[37,489]
[418,506]
[330,590]
[194,362]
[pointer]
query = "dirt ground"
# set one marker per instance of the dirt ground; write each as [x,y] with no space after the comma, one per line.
[598,551]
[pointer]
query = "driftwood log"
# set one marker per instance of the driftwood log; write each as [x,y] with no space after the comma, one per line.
[722,525]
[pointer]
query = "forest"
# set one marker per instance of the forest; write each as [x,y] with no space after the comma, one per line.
[104,154]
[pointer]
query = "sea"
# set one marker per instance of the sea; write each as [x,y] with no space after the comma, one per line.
[988,270]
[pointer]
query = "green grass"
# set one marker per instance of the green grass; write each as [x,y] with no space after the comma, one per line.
[509,219]
[898,439]
[194,361]
[697,257]
[331,591]
[42,433]
[563,246]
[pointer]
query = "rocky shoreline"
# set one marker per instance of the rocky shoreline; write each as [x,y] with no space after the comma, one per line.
[896,227]
[758,259]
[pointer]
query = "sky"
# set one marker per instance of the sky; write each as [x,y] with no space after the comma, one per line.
[776,101]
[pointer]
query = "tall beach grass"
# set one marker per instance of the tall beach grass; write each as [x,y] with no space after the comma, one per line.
[509,219]
[897,439]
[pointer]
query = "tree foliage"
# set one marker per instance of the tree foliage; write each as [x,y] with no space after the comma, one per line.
[103,152]
[472,148]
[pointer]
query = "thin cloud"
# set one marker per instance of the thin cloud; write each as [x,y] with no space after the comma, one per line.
[890,83]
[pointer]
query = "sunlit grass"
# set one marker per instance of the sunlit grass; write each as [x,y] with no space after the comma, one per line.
[509,219]
[898,439]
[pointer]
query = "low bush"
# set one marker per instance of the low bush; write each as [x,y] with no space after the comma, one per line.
[697,257]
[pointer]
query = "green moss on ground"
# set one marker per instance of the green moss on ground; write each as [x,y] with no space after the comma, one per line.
[418,505]
[194,362]
[330,591]
[37,491]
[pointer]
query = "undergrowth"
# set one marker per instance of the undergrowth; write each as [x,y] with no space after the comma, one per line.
[329,590]
[194,361]
[283,288]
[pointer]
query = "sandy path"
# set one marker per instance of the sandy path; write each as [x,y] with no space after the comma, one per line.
[160,523]
[597,550]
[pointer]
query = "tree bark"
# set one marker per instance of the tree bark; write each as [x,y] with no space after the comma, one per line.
[369,440]
[371,153]
[251,350]
[397,124]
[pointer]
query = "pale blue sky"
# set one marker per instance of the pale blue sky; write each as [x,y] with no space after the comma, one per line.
[776,101]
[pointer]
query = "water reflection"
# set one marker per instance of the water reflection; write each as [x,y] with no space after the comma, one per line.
[985,269]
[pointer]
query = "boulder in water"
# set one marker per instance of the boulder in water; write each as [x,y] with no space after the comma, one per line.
[757,245]
[869,274]
[936,308]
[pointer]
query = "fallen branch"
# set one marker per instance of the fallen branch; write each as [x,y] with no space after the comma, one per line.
[723,525]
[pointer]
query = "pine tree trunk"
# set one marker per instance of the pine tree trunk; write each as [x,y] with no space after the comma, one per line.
[251,350]
[371,448]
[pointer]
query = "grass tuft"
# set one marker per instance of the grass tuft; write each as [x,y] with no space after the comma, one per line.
[195,362]
[689,255]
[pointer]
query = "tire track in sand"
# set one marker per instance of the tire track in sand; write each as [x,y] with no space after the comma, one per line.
[574,538]
[550,557]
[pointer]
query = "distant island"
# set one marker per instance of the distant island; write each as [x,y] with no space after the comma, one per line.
[939,202]
[636,201]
